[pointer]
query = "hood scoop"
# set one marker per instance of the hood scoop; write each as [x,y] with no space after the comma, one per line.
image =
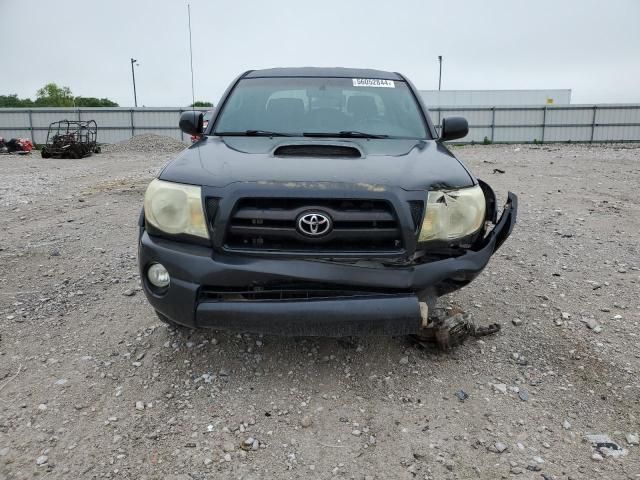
[321,150]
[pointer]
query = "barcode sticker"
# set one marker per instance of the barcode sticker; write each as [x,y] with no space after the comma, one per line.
[373,82]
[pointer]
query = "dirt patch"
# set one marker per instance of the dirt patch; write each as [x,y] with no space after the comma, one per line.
[134,186]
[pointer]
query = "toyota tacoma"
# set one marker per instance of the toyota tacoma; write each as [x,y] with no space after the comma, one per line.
[319,201]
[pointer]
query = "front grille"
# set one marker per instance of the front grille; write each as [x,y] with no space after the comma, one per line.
[269,224]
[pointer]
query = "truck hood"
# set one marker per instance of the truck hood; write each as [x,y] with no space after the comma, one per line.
[408,164]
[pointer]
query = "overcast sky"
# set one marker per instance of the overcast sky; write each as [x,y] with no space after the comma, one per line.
[591,47]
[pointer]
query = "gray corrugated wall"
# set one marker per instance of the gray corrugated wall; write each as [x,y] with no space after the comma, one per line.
[562,123]
[576,123]
[483,98]
[114,124]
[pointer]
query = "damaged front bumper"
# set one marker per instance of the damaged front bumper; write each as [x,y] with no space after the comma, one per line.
[304,297]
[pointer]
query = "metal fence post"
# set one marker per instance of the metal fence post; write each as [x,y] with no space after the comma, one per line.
[593,123]
[544,122]
[33,139]
[78,112]
[132,126]
[493,122]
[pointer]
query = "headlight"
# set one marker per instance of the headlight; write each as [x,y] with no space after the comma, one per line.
[175,208]
[453,214]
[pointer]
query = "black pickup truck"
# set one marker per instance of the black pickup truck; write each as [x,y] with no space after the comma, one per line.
[319,201]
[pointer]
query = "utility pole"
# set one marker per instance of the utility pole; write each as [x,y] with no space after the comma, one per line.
[133,75]
[440,76]
[193,94]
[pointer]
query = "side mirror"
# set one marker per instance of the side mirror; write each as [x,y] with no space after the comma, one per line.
[453,128]
[191,122]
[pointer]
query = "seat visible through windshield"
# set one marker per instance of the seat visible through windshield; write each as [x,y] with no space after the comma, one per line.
[321,105]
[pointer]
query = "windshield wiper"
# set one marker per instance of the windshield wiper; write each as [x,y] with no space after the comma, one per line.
[267,133]
[344,134]
[255,133]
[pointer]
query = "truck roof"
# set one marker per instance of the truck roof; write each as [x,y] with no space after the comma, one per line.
[333,72]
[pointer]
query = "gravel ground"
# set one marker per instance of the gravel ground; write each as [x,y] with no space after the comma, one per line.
[93,386]
[146,143]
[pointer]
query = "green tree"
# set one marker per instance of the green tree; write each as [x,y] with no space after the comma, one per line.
[94,102]
[201,104]
[12,101]
[51,95]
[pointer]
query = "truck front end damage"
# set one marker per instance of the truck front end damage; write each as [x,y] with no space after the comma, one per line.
[264,270]
[318,201]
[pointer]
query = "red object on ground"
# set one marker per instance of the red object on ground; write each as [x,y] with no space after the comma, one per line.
[25,144]
[16,145]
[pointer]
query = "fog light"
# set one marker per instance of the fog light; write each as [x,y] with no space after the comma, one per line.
[158,275]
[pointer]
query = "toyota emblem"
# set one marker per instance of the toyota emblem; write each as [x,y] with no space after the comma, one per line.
[314,224]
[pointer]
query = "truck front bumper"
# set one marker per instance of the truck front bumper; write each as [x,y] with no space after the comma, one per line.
[204,286]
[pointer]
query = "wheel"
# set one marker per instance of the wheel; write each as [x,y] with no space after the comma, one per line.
[45,153]
[171,323]
[78,150]
[97,149]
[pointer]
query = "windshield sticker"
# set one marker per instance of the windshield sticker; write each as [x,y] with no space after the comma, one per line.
[373,82]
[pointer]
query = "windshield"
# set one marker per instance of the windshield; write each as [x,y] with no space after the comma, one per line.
[321,106]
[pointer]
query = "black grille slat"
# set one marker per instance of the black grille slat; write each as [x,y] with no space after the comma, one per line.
[212,208]
[276,203]
[289,292]
[264,224]
[336,215]
[417,209]
[337,233]
[282,295]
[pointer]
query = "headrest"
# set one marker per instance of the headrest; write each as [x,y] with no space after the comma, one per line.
[362,106]
[286,106]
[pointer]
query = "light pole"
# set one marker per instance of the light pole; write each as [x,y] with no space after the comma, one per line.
[440,76]
[133,75]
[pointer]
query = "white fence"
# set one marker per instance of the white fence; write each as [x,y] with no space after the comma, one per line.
[518,124]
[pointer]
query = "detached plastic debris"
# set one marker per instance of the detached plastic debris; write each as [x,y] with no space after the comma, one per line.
[605,446]
[447,330]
